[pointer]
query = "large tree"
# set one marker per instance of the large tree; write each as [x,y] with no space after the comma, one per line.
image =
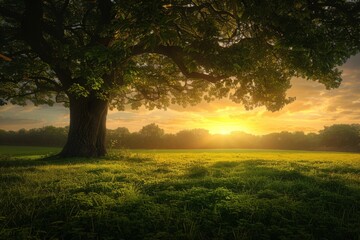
[94,55]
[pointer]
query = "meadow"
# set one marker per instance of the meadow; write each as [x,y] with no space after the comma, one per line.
[179,194]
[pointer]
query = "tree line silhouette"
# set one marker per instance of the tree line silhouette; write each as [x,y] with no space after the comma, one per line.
[338,137]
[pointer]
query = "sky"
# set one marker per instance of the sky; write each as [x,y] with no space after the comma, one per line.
[314,108]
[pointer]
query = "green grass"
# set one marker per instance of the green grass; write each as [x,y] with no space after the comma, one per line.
[26,152]
[182,194]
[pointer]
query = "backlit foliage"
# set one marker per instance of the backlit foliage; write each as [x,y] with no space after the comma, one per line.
[156,52]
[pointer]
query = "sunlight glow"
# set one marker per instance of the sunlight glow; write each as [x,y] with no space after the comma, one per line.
[225,129]
[221,123]
[224,132]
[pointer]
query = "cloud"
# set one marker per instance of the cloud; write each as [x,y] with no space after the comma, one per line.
[6,108]
[17,121]
[352,63]
[207,106]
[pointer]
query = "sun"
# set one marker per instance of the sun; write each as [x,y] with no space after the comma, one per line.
[222,124]
[225,129]
[225,132]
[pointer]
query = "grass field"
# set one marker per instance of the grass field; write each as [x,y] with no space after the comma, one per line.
[182,194]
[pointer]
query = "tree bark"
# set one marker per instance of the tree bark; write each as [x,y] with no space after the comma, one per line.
[87,130]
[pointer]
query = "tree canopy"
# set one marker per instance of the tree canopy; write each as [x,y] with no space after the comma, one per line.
[111,53]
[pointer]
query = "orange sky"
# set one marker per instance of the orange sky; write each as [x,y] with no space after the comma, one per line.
[314,108]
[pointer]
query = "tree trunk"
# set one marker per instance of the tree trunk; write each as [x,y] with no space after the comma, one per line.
[87,130]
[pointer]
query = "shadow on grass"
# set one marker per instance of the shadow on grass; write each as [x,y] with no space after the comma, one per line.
[264,202]
[11,162]
[341,170]
[255,176]
[259,202]
[8,161]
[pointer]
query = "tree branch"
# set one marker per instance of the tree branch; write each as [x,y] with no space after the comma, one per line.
[61,98]
[65,5]
[5,58]
[7,13]
[48,80]
[25,94]
[32,27]
[177,55]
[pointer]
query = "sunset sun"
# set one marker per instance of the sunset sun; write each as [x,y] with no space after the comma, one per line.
[224,132]
[224,128]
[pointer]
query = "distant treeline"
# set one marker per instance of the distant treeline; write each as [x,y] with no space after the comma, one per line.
[339,137]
